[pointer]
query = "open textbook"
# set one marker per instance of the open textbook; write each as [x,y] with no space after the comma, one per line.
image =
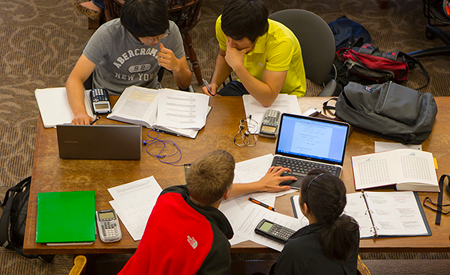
[408,169]
[387,214]
[172,111]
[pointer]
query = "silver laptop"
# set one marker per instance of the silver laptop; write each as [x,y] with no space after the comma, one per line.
[305,143]
[122,142]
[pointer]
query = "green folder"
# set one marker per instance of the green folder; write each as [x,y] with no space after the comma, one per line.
[65,217]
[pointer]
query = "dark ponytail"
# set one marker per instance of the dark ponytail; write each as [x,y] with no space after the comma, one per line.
[325,196]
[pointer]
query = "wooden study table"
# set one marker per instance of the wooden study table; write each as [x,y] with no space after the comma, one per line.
[50,174]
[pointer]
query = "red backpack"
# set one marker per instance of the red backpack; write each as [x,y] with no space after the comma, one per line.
[371,63]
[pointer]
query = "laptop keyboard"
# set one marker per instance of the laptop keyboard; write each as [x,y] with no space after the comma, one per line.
[299,166]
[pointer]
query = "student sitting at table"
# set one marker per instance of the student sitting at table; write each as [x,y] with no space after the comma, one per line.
[129,51]
[330,243]
[186,233]
[265,54]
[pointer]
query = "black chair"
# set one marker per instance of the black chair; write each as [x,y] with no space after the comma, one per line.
[317,43]
[434,13]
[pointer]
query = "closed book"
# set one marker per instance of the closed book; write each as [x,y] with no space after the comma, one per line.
[66,217]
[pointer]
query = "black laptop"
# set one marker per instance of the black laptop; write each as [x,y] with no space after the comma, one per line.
[305,143]
[121,142]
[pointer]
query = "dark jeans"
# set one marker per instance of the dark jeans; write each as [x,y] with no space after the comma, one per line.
[233,88]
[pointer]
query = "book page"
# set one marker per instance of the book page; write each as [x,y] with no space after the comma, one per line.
[396,213]
[136,104]
[182,109]
[356,208]
[416,166]
[374,170]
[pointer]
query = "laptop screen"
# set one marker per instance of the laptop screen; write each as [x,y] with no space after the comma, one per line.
[312,138]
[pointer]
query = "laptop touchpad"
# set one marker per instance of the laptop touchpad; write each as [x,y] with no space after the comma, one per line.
[293,183]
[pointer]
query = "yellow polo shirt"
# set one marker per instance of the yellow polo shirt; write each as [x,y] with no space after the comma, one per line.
[277,50]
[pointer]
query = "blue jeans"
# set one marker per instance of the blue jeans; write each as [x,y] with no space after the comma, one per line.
[233,88]
[99,3]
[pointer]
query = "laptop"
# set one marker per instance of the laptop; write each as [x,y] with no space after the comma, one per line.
[305,143]
[121,142]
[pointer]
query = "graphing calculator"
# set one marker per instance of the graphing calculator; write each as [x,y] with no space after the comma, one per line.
[108,226]
[269,125]
[100,101]
[273,231]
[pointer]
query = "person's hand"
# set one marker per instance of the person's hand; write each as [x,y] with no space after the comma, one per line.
[213,89]
[235,57]
[167,58]
[271,181]
[81,119]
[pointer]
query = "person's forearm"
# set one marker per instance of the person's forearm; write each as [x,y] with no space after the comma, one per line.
[221,71]
[244,188]
[75,95]
[258,89]
[182,76]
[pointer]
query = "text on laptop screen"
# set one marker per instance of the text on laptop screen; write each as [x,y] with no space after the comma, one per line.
[312,139]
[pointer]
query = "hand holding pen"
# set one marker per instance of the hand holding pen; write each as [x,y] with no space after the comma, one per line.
[208,88]
[95,120]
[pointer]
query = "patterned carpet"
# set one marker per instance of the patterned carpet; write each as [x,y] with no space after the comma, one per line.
[40,41]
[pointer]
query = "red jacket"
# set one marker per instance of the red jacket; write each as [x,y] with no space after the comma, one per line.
[182,238]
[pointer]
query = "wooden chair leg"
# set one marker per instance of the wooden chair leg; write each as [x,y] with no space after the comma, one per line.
[93,24]
[187,41]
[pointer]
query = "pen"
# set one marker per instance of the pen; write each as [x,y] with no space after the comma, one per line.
[95,120]
[207,87]
[261,203]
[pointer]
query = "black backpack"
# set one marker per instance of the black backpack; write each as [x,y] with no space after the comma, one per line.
[13,219]
[389,110]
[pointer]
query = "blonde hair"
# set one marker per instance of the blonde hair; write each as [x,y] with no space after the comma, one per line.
[210,176]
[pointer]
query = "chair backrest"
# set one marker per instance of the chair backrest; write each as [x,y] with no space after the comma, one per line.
[185,13]
[112,9]
[316,40]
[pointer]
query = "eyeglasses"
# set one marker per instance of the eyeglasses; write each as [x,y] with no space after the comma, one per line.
[156,39]
[247,126]
[429,201]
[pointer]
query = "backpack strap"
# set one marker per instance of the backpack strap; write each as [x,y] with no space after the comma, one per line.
[5,239]
[412,61]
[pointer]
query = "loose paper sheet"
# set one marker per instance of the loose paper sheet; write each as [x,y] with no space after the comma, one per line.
[284,103]
[134,202]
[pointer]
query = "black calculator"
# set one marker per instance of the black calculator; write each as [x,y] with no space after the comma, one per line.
[274,231]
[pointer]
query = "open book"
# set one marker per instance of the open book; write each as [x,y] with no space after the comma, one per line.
[408,169]
[171,111]
[387,214]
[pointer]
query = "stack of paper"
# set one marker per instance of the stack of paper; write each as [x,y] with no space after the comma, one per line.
[177,112]
[54,106]
[133,203]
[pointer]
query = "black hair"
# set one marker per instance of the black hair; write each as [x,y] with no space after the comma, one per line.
[245,18]
[144,18]
[325,196]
